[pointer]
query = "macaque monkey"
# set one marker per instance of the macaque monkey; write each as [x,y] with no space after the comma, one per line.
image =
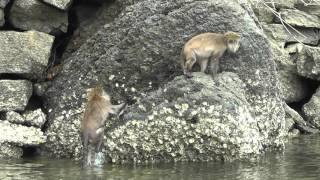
[208,47]
[96,113]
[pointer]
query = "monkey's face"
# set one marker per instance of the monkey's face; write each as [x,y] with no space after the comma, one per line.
[233,45]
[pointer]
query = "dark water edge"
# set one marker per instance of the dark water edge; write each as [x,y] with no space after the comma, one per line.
[300,160]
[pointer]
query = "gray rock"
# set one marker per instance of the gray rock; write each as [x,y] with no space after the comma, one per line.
[35,118]
[14,94]
[299,18]
[24,53]
[14,117]
[61,4]
[1,17]
[90,21]
[308,62]
[299,122]
[291,84]
[35,15]
[20,135]
[311,110]
[313,9]
[3,3]
[282,35]
[139,52]
[8,151]
[264,14]
[39,89]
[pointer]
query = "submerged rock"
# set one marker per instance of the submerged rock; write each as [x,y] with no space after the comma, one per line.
[24,53]
[35,15]
[138,53]
[14,94]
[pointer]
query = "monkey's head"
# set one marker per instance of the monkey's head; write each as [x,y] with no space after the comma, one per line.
[232,40]
[97,92]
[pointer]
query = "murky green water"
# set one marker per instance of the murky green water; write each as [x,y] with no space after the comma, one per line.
[301,160]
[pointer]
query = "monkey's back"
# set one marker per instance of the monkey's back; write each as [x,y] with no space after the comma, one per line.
[204,42]
[95,115]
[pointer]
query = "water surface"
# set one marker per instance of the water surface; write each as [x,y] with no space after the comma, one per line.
[300,160]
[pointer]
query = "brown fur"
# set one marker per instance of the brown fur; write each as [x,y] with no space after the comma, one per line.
[207,47]
[96,113]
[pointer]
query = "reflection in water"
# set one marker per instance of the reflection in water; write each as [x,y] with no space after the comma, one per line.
[301,160]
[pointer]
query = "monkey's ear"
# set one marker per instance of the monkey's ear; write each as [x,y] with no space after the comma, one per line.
[118,109]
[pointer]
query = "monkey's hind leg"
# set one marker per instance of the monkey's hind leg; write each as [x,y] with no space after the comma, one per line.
[214,66]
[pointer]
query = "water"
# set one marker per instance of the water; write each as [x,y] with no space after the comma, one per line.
[301,160]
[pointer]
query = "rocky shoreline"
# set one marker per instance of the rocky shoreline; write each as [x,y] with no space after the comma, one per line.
[52,51]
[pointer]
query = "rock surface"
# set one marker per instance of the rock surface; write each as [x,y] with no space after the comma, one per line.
[3,3]
[308,62]
[14,94]
[296,17]
[1,17]
[139,52]
[61,4]
[24,53]
[195,119]
[20,135]
[35,118]
[8,151]
[299,122]
[35,15]
[311,110]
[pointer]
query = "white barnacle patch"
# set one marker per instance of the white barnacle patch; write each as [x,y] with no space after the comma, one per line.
[122,85]
[117,85]
[205,103]
[151,117]
[194,112]
[184,107]
[111,77]
[142,107]
[133,89]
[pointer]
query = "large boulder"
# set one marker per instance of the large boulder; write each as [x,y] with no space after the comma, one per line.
[61,4]
[308,62]
[24,53]
[139,52]
[8,151]
[188,120]
[35,15]
[14,94]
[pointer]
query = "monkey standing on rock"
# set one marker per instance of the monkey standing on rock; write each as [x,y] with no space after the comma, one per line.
[96,113]
[208,47]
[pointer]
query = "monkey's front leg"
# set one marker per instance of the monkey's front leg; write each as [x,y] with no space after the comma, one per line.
[214,66]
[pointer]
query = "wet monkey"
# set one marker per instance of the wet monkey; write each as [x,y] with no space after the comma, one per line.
[97,110]
[208,48]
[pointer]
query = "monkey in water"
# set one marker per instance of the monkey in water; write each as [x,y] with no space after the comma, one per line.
[208,47]
[96,113]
